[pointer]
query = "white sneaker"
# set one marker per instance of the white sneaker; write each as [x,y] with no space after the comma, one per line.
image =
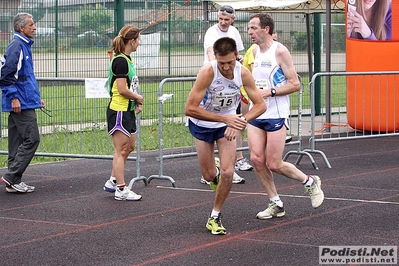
[126,194]
[21,187]
[243,165]
[315,192]
[288,139]
[203,181]
[272,211]
[217,162]
[238,179]
[110,185]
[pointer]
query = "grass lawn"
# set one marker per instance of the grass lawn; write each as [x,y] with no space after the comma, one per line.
[78,125]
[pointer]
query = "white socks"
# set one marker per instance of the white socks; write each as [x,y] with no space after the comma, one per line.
[308,181]
[214,214]
[277,200]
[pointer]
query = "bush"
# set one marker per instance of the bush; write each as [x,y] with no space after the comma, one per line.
[301,41]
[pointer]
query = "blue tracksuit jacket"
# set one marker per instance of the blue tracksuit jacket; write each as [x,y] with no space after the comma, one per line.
[17,79]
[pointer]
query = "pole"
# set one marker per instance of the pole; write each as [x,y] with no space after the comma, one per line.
[328,61]
[317,62]
[119,15]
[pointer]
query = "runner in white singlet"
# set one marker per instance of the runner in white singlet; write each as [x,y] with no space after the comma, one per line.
[211,106]
[276,78]
[222,96]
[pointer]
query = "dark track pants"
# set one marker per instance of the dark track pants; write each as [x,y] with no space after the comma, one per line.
[23,140]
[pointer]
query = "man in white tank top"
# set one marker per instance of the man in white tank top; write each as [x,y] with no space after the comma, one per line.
[211,106]
[224,28]
[275,78]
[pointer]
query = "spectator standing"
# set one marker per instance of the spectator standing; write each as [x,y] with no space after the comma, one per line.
[20,98]
[121,112]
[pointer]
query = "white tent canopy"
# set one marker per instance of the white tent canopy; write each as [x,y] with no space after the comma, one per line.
[298,6]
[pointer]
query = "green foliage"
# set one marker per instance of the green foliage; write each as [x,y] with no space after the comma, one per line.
[338,40]
[96,19]
[36,10]
[187,26]
[81,142]
[183,31]
[70,107]
[301,42]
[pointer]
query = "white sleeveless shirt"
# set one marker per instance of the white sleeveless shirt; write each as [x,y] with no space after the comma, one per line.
[221,97]
[268,74]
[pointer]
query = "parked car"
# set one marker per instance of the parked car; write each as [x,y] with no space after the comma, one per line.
[48,32]
[90,33]
[92,38]
[44,31]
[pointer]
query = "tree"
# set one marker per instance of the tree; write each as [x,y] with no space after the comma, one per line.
[97,19]
[36,10]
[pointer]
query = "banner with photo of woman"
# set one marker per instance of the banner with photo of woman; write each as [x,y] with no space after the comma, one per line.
[369,20]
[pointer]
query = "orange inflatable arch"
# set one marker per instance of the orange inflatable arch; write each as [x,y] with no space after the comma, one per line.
[372,101]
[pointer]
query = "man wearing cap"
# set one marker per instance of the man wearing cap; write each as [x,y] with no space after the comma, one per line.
[226,17]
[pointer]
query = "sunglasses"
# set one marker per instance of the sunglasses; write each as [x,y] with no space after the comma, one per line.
[227,9]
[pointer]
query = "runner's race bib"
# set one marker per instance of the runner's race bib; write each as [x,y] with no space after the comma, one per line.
[223,101]
[263,84]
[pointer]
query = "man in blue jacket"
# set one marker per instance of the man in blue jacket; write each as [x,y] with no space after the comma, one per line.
[20,97]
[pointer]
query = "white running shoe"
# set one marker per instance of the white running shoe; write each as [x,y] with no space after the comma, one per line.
[238,179]
[126,194]
[22,188]
[288,139]
[217,162]
[110,185]
[272,211]
[315,192]
[243,165]
[203,181]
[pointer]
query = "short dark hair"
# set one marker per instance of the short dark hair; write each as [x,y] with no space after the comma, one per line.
[265,21]
[224,46]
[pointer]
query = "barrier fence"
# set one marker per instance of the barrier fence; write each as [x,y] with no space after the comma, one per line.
[363,105]
[73,124]
[344,105]
[171,110]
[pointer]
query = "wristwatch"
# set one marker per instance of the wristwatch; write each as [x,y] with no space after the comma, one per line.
[273,90]
[243,118]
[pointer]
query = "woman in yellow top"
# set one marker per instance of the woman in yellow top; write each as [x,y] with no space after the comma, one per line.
[121,112]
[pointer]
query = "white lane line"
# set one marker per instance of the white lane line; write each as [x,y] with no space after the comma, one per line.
[284,195]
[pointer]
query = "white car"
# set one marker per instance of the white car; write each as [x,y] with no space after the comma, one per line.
[90,33]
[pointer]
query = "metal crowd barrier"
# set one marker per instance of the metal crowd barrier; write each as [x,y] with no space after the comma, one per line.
[171,105]
[69,117]
[181,119]
[367,99]
[299,150]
